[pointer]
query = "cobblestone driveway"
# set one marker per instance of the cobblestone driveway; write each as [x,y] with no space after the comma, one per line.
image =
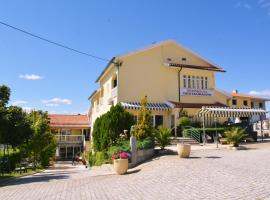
[208,174]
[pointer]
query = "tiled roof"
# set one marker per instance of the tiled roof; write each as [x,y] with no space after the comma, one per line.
[57,120]
[249,97]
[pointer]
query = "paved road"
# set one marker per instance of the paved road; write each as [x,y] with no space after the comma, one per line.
[208,174]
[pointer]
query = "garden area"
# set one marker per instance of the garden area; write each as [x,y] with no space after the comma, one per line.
[113,130]
[26,144]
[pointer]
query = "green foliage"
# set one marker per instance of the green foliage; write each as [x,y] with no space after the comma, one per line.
[184,121]
[146,143]
[235,136]
[4,95]
[18,127]
[108,127]
[162,136]
[144,128]
[42,144]
[212,131]
[13,158]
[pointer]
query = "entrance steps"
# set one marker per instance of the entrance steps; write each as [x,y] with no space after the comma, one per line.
[175,140]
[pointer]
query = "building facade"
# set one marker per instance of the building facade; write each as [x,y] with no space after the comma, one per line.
[72,133]
[172,77]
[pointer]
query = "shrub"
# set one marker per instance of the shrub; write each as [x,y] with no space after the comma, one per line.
[144,128]
[182,122]
[146,143]
[235,135]
[108,127]
[162,136]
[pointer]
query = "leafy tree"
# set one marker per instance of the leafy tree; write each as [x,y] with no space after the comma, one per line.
[144,128]
[4,98]
[235,136]
[18,129]
[162,136]
[42,143]
[109,126]
[4,95]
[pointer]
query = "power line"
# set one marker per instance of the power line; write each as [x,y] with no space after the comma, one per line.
[52,42]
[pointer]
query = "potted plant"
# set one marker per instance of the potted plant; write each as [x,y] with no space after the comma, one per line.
[162,137]
[235,136]
[120,162]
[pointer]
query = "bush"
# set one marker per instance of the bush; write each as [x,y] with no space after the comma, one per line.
[144,128]
[235,136]
[146,143]
[108,127]
[182,122]
[162,136]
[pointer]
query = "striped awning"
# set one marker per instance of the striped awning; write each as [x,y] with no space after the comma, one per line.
[230,112]
[150,106]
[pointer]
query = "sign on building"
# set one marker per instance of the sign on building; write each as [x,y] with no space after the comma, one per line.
[195,92]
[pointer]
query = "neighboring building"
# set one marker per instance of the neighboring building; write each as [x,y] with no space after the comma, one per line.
[247,101]
[72,133]
[172,77]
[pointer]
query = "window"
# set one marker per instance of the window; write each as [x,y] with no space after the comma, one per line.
[202,82]
[206,83]
[158,120]
[193,82]
[234,102]
[245,103]
[252,104]
[260,105]
[115,82]
[189,82]
[198,82]
[185,81]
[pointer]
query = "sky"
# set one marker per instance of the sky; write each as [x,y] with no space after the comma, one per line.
[234,34]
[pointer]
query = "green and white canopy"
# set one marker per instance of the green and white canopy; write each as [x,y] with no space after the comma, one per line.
[230,112]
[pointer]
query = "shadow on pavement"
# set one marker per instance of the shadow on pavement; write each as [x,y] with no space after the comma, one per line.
[133,171]
[213,157]
[43,177]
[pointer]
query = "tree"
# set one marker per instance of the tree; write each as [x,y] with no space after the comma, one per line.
[144,128]
[109,126]
[42,144]
[18,129]
[4,98]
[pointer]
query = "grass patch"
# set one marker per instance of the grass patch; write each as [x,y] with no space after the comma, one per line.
[15,174]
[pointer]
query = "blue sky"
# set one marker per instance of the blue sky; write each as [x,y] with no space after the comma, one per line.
[233,34]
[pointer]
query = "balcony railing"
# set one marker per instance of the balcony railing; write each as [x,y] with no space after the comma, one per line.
[114,92]
[69,138]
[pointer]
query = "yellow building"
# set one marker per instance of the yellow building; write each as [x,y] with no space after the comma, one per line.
[72,134]
[171,76]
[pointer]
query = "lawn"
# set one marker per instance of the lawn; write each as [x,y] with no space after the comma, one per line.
[14,174]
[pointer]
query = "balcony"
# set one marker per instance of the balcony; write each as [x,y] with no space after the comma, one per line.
[114,92]
[69,139]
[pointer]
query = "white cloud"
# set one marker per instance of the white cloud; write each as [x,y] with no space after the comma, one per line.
[241,4]
[19,103]
[260,93]
[32,77]
[54,102]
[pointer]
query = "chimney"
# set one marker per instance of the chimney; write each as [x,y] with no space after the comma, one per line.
[235,91]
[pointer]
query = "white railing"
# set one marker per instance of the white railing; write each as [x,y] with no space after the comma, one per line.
[114,92]
[69,138]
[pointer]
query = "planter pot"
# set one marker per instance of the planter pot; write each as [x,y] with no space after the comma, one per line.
[183,150]
[120,166]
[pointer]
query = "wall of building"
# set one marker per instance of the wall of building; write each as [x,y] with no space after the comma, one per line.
[145,74]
